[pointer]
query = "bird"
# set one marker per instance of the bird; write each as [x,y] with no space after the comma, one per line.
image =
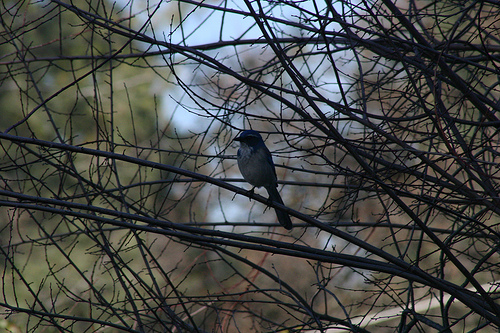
[257,168]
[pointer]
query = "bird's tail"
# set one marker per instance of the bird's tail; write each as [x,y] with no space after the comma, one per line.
[283,218]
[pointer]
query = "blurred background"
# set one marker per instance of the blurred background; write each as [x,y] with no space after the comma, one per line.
[122,208]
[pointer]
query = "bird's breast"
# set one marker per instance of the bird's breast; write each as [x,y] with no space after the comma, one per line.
[256,170]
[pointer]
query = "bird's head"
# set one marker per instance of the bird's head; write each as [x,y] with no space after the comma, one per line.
[251,138]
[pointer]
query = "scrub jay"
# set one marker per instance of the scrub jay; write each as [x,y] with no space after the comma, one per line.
[257,167]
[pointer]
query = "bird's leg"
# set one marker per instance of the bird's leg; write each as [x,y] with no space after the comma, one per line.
[251,192]
[248,192]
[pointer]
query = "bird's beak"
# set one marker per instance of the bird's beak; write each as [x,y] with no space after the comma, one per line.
[237,138]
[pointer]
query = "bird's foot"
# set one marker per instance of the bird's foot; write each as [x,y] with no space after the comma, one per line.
[251,192]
